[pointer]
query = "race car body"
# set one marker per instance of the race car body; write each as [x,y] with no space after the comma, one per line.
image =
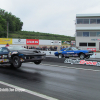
[17,55]
[73,52]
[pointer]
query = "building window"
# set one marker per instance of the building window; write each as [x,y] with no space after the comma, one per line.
[83,44]
[92,21]
[98,34]
[85,34]
[98,21]
[79,21]
[86,21]
[79,34]
[92,34]
[91,44]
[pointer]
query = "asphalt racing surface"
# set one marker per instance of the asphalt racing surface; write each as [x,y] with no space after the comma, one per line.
[50,81]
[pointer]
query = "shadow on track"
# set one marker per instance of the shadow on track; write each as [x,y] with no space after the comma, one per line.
[33,76]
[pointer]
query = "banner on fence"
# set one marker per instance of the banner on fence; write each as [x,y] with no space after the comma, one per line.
[5,40]
[32,41]
[18,41]
[83,62]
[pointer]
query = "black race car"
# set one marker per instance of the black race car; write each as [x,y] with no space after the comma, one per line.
[16,55]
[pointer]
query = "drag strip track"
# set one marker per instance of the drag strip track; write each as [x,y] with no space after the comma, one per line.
[53,80]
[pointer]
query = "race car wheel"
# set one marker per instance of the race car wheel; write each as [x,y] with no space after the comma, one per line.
[16,62]
[60,56]
[82,56]
[37,62]
[87,57]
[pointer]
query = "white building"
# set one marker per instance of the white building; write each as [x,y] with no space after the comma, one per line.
[88,31]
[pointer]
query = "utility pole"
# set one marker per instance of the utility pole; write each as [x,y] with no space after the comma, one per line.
[7,29]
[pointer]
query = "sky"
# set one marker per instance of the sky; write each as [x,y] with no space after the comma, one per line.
[50,16]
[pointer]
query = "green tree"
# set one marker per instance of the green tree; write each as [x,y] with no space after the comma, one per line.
[15,24]
[3,27]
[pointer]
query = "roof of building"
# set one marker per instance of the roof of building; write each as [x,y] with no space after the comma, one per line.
[88,15]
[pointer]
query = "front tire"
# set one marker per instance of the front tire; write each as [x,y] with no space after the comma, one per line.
[37,62]
[16,62]
[82,56]
[60,56]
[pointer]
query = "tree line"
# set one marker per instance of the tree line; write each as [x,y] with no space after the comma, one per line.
[14,23]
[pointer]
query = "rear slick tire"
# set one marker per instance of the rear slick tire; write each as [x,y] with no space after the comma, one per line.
[16,62]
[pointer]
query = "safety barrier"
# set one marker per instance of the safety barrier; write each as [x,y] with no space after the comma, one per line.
[74,61]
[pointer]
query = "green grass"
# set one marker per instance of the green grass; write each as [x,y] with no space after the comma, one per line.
[39,35]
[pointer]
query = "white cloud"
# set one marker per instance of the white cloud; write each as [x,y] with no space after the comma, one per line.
[51,16]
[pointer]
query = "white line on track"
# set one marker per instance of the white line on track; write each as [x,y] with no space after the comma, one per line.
[62,66]
[54,65]
[29,91]
[70,67]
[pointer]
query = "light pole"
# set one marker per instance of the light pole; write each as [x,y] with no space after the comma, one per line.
[7,28]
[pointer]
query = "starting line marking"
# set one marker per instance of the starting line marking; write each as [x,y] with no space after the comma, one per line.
[29,91]
[70,67]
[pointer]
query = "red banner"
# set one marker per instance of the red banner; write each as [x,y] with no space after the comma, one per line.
[87,62]
[32,41]
[92,49]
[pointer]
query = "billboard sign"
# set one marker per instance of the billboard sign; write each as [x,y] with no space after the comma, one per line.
[44,42]
[92,49]
[18,41]
[55,42]
[5,40]
[83,62]
[32,41]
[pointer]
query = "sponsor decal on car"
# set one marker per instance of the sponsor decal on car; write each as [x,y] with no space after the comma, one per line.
[70,52]
[4,60]
[21,59]
[67,55]
[75,54]
[3,56]
[9,55]
[59,51]
[1,60]
[83,62]
[14,52]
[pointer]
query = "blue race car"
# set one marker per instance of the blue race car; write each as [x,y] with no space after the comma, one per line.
[73,52]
